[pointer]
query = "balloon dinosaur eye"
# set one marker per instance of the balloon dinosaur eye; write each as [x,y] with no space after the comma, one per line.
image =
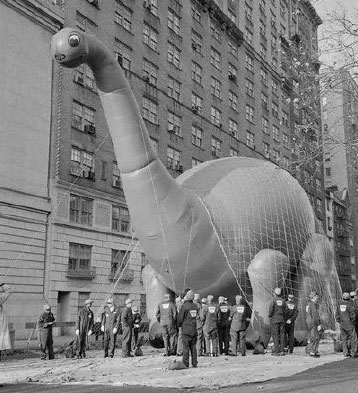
[74,40]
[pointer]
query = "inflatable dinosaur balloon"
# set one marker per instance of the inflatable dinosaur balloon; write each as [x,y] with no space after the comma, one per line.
[225,227]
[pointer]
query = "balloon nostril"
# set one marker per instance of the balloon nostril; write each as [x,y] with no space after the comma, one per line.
[74,40]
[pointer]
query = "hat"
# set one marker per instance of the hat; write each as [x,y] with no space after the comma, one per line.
[353,293]
[221,299]
[196,296]
[88,301]
[290,296]
[128,301]
[135,309]
[110,300]
[346,296]
[167,296]
[277,291]
[210,298]
[238,298]
[189,295]
[204,300]
[47,307]
[312,294]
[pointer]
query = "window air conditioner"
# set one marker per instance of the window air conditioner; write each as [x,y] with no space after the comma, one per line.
[90,129]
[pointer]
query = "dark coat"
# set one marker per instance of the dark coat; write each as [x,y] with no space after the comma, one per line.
[278,310]
[111,319]
[187,319]
[313,318]
[166,313]
[292,311]
[224,315]
[85,320]
[345,315]
[127,317]
[137,319]
[44,319]
[240,315]
[210,317]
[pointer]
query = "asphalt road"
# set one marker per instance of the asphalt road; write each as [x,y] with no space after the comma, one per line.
[334,377]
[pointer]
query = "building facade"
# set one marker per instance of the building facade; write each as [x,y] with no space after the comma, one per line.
[25,154]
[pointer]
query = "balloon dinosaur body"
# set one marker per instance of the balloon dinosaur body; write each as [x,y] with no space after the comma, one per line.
[224,227]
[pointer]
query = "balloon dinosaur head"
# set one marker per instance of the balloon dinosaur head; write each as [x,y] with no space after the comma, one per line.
[70,48]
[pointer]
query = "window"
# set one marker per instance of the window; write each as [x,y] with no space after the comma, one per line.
[250,139]
[116,176]
[196,11]
[83,118]
[174,123]
[124,54]
[195,161]
[319,205]
[123,16]
[249,63]
[233,129]
[120,219]
[233,101]
[263,51]
[264,125]
[263,76]
[150,110]
[328,171]
[264,100]
[275,133]
[173,88]
[155,144]
[233,152]
[318,184]
[215,147]
[249,88]
[249,113]
[196,136]
[150,72]
[248,13]
[215,30]
[196,103]
[150,37]
[232,70]
[275,155]
[84,76]
[275,110]
[196,73]
[232,48]
[173,21]
[215,87]
[285,162]
[215,58]
[119,261]
[173,158]
[274,87]
[285,140]
[79,257]
[81,163]
[85,24]
[81,210]
[231,15]
[174,55]
[266,149]
[215,116]
[196,41]
[284,118]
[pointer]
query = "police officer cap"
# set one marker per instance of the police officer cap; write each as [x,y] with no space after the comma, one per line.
[196,296]
[353,293]
[189,295]
[135,309]
[290,296]
[221,299]
[210,298]
[88,301]
[128,301]
[312,294]
[238,298]
[204,300]
[167,296]
[346,296]
[277,291]
[110,301]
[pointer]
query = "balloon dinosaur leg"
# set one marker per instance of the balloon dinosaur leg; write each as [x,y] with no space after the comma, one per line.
[155,291]
[268,270]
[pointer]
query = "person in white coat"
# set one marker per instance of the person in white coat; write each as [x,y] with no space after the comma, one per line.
[5,342]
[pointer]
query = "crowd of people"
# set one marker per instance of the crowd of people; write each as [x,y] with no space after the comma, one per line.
[194,326]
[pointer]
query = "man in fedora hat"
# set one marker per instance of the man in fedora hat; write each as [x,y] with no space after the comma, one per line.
[110,322]
[314,324]
[45,322]
[127,328]
[84,328]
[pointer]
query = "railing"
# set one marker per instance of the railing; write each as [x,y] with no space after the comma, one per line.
[127,276]
[82,274]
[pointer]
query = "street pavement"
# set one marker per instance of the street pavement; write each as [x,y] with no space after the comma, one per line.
[333,377]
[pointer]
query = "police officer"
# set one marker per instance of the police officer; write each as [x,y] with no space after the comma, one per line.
[110,322]
[224,326]
[199,325]
[187,321]
[179,301]
[84,328]
[314,324]
[45,323]
[346,317]
[127,328]
[292,312]
[277,315]
[210,326]
[167,317]
[354,299]
[240,316]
